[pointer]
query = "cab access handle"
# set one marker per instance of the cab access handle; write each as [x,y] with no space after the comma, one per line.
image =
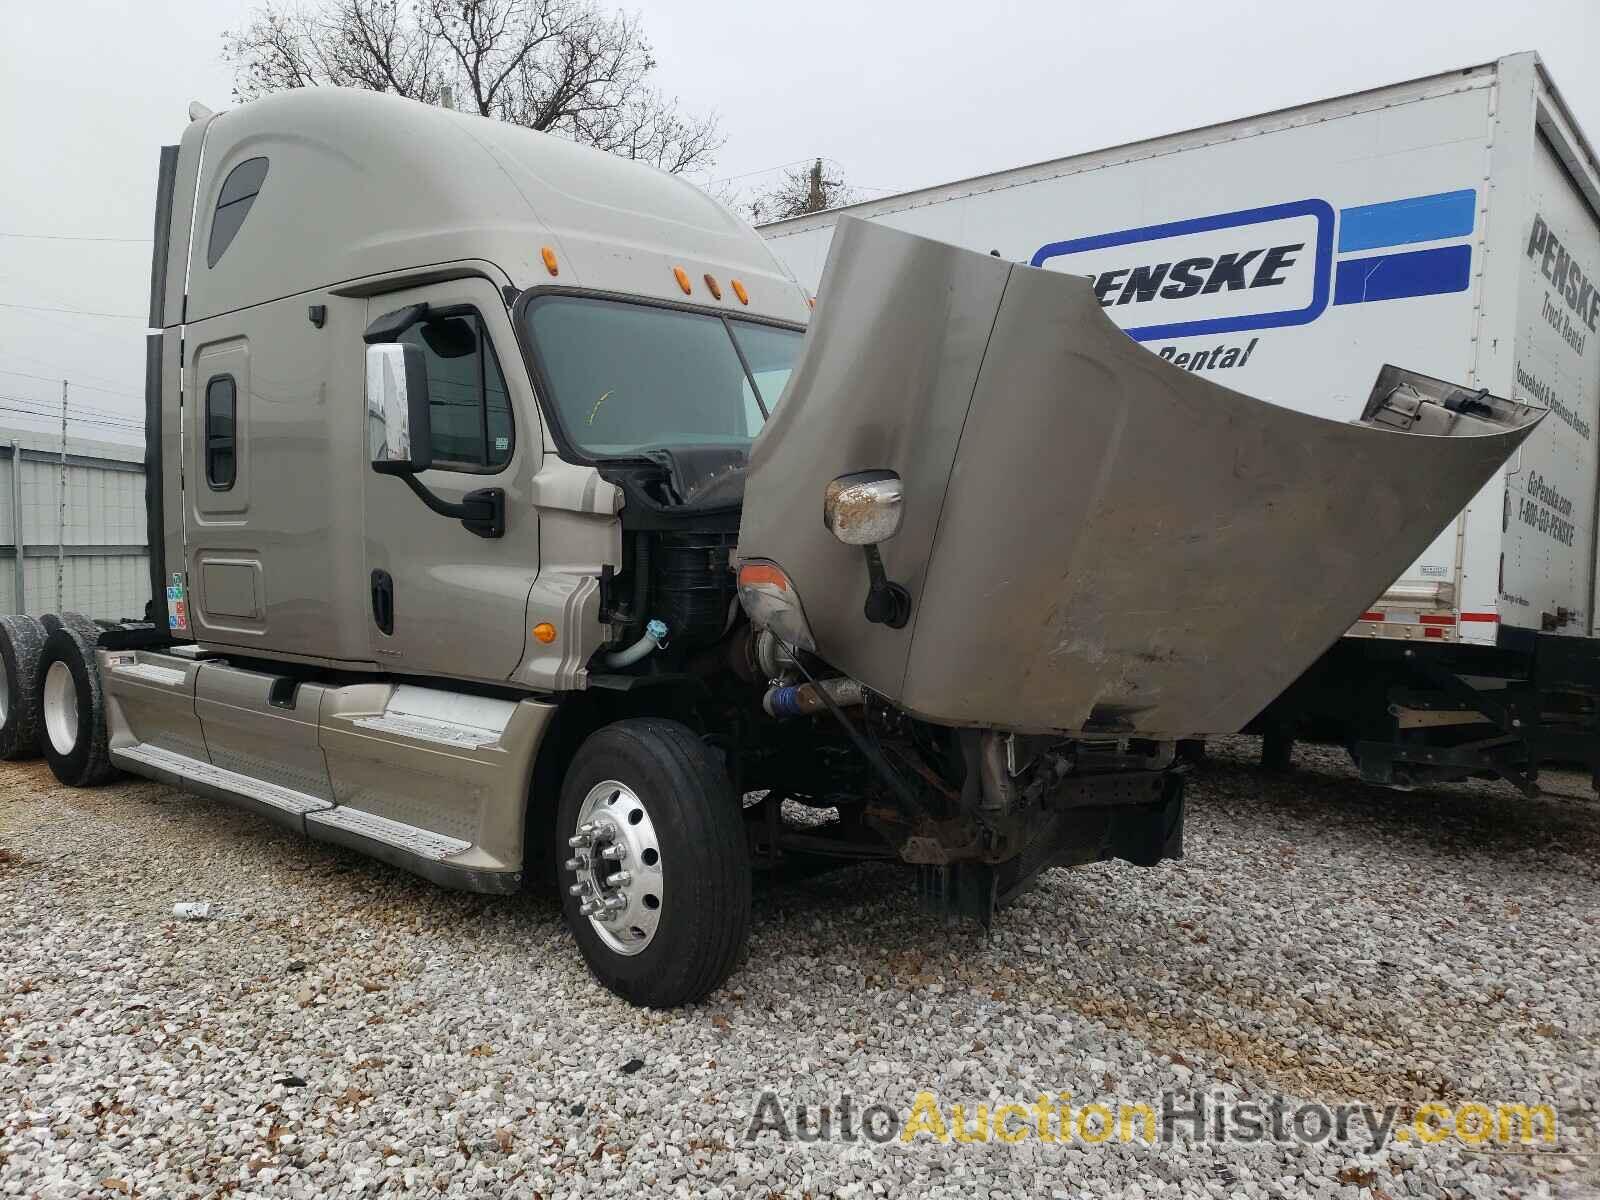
[400,436]
[383,601]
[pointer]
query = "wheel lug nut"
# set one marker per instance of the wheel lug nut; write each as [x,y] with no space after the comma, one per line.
[577,889]
[579,840]
[616,852]
[575,864]
[588,908]
[615,903]
[619,879]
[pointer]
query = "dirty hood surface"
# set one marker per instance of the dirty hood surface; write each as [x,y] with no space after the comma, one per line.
[1093,539]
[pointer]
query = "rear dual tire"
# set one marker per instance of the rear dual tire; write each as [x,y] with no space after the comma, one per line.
[72,708]
[21,645]
[660,801]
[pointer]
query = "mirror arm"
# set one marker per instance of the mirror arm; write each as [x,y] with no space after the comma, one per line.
[483,511]
[888,603]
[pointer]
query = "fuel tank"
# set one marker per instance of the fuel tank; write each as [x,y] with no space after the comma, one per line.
[1091,539]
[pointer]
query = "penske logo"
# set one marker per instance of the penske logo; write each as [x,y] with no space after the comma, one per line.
[1278,265]
[1233,271]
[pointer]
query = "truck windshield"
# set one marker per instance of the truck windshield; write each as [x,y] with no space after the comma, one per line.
[629,377]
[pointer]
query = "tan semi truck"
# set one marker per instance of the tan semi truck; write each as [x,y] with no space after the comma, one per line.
[514,518]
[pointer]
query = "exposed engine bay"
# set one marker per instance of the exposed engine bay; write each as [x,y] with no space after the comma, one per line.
[831,771]
[916,602]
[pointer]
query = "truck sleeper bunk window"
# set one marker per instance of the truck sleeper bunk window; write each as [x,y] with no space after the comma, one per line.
[239,191]
[222,402]
[468,406]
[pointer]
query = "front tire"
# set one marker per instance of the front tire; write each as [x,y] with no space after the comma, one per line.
[72,708]
[656,885]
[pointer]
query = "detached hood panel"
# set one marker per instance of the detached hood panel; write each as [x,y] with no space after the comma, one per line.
[1093,539]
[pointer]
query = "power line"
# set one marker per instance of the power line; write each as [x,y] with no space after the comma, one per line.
[763,171]
[44,416]
[80,408]
[47,410]
[56,378]
[81,312]
[62,237]
[61,370]
[91,413]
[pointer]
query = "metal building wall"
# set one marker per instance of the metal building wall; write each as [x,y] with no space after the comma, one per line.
[103,563]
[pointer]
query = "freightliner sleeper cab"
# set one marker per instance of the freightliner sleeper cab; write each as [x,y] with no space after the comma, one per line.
[515,519]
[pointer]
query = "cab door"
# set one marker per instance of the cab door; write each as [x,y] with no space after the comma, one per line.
[444,600]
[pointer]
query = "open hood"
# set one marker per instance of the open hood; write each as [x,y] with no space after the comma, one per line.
[1092,539]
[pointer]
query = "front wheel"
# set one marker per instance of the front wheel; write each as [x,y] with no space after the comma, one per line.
[657,875]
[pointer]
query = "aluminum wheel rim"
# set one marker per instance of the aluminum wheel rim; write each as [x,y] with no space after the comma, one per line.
[61,707]
[5,693]
[617,864]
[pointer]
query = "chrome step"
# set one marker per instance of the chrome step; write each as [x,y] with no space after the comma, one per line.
[423,843]
[128,668]
[426,729]
[180,768]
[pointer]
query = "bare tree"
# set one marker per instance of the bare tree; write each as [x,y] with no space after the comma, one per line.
[799,192]
[562,66]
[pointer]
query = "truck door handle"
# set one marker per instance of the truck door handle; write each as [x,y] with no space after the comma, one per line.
[383,601]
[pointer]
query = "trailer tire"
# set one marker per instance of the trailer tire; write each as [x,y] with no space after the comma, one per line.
[21,644]
[652,790]
[72,709]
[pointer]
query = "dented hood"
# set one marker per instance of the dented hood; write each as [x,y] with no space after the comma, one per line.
[1093,539]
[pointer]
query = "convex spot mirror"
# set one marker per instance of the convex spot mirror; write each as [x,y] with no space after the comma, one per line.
[399,429]
[865,508]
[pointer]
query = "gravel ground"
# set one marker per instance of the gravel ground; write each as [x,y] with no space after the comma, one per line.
[346,1029]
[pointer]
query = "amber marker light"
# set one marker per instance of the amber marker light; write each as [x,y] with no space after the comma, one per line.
[738,290]
[716,288]
[549,257]
[682,277]
[754,573]
[545,632]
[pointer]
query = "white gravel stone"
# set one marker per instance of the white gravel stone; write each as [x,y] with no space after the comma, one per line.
[345,1029]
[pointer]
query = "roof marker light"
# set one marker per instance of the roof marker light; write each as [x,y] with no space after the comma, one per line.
[549,257]
[716,289]
[738,290]
[811,301]
[682,277]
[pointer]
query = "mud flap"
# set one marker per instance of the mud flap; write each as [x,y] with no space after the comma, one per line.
[1092,539]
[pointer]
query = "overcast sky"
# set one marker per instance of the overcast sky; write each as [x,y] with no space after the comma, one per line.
[898,94]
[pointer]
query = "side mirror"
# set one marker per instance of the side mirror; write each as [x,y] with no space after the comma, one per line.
[865,508]
[399,426]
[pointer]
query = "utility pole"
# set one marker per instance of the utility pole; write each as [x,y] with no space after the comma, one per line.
[61,515]
[815,200]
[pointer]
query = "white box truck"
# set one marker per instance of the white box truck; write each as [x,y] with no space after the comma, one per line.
[1448,222]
